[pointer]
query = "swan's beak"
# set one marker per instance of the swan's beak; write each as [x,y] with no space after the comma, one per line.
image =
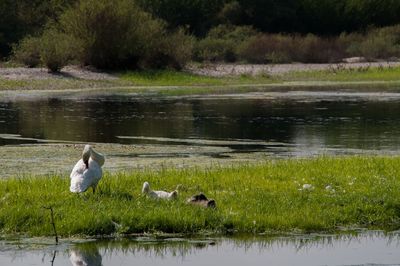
[87,164]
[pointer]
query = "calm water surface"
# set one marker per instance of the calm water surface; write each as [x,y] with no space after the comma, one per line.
[364,249]
[311,122]
[308,123]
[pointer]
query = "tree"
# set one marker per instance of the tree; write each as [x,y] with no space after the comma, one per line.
[19,18]
[196,15]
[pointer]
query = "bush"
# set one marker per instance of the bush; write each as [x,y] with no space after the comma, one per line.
[27,51]
[172,50]
[215,50]
[118,34]
[265,48]
[221,43]
[381,43]
[233,33]
[178,49]
[314,49]
[278,48]
[231,13]
[57,49]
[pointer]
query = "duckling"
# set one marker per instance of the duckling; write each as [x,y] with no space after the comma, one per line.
[202,200]
[158,194]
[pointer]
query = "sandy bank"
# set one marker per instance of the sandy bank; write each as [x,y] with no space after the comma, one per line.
[218,70]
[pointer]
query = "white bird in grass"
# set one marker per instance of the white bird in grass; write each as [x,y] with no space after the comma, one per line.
[158,194]
[87,171]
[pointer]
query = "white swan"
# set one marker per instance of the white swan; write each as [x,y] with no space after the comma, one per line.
[158,194]
[87,171]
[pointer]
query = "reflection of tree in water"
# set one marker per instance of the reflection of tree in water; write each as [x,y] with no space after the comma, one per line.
[310,121]
[86,255]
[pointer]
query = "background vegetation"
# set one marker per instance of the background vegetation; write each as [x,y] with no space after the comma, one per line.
[123,34]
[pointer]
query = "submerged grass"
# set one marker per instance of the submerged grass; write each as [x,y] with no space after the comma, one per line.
[267,197]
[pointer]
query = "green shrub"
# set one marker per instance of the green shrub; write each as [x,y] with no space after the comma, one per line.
[178,48]
[169,50]
[233,33]
[231,13]
[350,43]
[381,43]
[118,34]
[111,33]
[278,48]
[57,49]
[214,50]
[27,51]
[265,48]
[221,43]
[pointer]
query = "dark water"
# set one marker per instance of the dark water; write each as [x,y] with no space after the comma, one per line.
[364,249]
[313,122]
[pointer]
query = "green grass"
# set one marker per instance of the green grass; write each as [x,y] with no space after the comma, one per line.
[171,83]
[58,84]
[340,74]
[6,84]
[178,78]
[266,197]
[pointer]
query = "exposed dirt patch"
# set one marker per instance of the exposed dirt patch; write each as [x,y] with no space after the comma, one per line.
[219,70]
[69,72]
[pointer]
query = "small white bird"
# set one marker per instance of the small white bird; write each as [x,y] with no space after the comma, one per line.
[308,186]
[158,194]
[87,171]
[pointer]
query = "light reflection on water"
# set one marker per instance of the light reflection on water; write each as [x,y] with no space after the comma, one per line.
[363,249]
[308,124]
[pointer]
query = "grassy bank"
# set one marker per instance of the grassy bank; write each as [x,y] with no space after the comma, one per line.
[339,73]
[268,197]
[169,82]
[177,78]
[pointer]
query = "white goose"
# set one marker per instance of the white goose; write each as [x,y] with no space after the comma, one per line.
[158,194]
[87,171]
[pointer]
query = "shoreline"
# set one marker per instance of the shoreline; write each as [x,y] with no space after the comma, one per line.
[378,88]
[27,82]
[201,69]
[226,69]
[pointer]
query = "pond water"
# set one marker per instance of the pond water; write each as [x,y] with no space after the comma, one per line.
[281,124]
[307,122]
[363,249]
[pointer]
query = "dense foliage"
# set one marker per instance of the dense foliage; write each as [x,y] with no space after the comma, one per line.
[153,33]
[107,35]
[19,18]
[119,34]
[302,16]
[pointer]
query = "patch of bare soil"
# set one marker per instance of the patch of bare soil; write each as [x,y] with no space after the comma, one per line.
[68,72]
[219,70]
